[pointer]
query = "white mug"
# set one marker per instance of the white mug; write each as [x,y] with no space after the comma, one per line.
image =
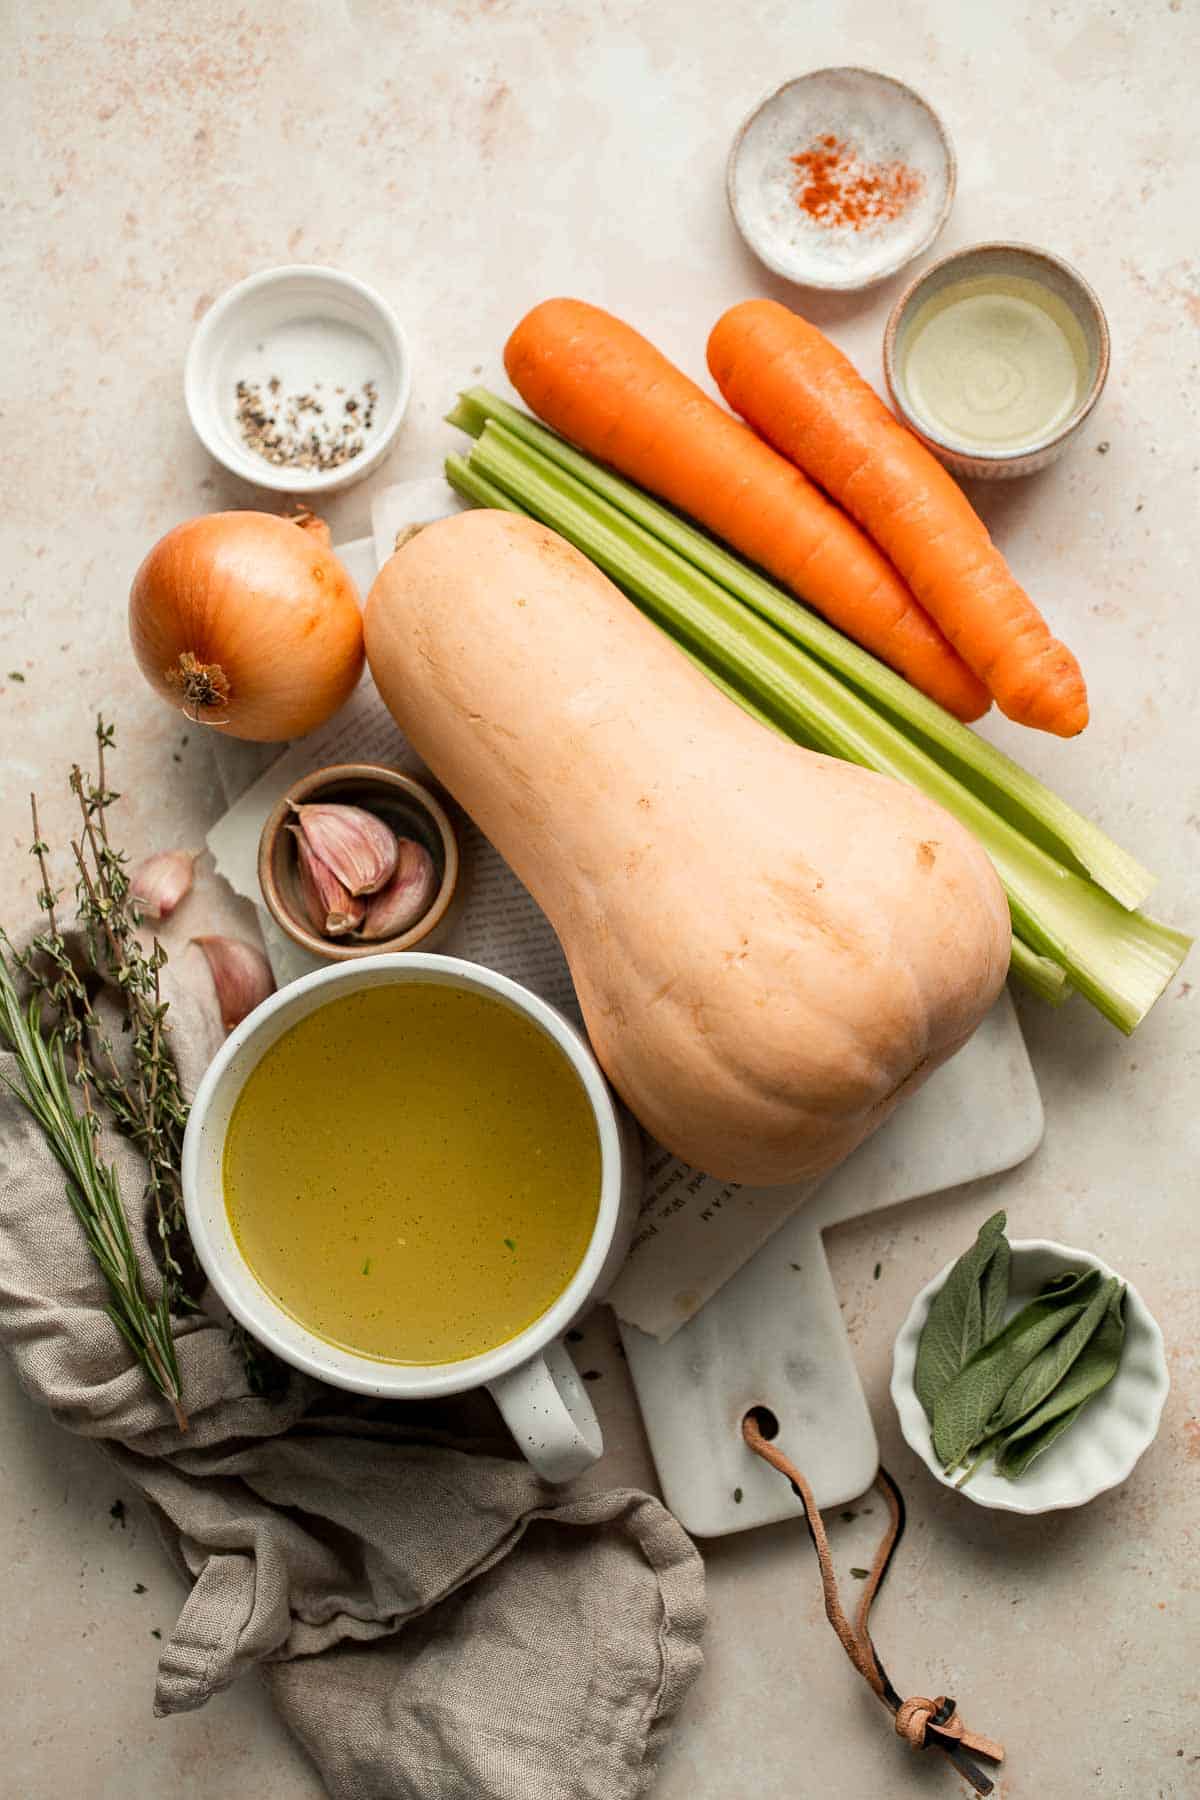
[531,1377]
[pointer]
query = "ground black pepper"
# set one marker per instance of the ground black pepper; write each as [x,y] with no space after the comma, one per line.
[300,431]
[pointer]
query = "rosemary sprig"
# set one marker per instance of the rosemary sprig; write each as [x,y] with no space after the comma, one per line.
[93,1189]
[143,1098]
[140,1092]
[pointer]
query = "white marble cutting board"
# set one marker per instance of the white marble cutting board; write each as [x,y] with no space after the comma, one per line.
[774,1335]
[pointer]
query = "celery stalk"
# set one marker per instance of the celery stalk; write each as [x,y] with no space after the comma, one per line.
[1037,812]
[473,487]
[1037,973]
[1119,960]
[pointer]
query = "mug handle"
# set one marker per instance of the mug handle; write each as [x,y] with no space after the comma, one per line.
[548,1412]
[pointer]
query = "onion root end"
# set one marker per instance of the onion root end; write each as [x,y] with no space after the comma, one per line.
[203,687]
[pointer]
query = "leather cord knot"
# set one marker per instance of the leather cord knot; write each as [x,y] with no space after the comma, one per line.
[912,1716]
[925,1724]
[922,1722]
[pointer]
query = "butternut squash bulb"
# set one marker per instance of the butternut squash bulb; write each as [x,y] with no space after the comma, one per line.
[771,948]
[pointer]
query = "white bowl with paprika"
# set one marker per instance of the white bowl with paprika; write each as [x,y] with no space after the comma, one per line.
[841,177]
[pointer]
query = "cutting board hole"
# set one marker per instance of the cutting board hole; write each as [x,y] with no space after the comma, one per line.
[766,1421]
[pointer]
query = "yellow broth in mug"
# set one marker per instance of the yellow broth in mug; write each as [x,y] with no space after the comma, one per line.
[413,1172]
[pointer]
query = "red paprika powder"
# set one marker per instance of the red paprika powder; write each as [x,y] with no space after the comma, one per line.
[835,186]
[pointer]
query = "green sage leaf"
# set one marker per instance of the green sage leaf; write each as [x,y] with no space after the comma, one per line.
[1012,1464]
[1091,1371]
[1036,1383]
[962,1411]
[954,1329]
[994,1289]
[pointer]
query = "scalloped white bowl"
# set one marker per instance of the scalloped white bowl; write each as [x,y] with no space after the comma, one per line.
[1101,1447]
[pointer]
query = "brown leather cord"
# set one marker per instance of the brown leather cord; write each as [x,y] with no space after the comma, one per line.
[920,1722]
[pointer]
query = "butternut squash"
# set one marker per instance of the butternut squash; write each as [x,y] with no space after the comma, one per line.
[771,948]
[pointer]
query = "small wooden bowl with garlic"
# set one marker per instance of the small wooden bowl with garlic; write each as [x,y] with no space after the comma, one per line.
[357,859]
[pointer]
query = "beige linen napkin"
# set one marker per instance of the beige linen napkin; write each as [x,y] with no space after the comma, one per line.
[433,1622]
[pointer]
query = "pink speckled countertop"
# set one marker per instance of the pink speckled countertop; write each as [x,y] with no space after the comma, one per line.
[470,159]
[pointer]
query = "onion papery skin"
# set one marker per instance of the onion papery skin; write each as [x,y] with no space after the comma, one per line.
[265,607]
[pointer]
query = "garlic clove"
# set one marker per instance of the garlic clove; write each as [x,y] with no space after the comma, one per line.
[241,975]
[406,898]
[160,883]
[330,909]
[358,847]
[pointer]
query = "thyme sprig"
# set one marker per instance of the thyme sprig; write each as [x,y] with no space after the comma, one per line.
[139,1090]
[142,1093]
[149,1107]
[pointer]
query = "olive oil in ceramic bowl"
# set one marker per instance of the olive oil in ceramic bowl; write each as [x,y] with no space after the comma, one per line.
[412,1171]
[994,358]
[994,363]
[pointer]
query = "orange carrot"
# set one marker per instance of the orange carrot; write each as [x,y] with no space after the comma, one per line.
[599,383]
[796,388]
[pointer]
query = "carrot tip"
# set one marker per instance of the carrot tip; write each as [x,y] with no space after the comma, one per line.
[1060,722]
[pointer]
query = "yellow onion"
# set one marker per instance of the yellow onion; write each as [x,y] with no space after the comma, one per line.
[248,623]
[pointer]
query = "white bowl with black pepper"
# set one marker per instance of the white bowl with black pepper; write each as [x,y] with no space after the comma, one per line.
[297,379]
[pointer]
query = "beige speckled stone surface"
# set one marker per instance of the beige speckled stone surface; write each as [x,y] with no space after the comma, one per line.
[470,159]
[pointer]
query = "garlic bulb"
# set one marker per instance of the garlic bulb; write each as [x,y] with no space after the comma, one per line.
[161,882]
[330,908]
[408,895]
[359,848]
[241,975]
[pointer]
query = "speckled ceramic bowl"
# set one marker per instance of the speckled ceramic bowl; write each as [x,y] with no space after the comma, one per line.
[407,806]
[998,259]
[1094,1454]
[885,123]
